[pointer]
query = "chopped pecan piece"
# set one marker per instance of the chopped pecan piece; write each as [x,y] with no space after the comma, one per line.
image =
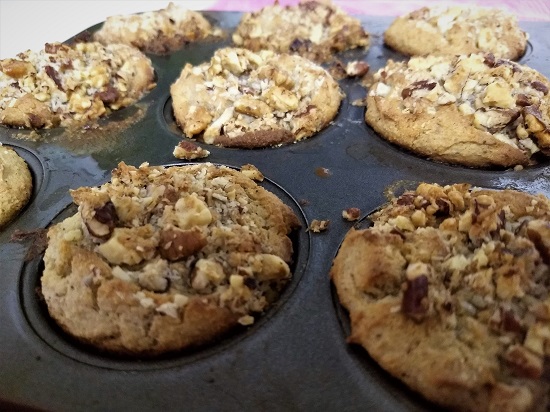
[102,221]
[52,73]
[357,68]
[509,322]
[421,84]
[523,362]
[177,244]
[406,199]
[108,96]
[415,302]
[541,87]
[52,48]
[538,232]
[490,60]
[300,45]
[523,100]
[351,214]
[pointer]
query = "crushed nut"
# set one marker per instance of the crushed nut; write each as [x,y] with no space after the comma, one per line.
[189,151]
[176,244]
[317,226]
[523,362]
[351,214]
[357,68]
[415,303]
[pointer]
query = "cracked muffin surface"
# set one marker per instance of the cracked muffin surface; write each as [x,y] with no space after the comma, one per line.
[313,29]
[457,30]
[62,84]
[448,291]
[162,259]
[246,99]
[474,110]
[159,31]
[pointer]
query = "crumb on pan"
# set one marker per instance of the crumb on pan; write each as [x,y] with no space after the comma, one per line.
[189,151]
[357,68]
[323,172]
[351,214]
[316,30]
[359,102]
[317,226]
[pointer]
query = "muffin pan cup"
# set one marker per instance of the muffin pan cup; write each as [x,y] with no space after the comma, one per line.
[296,356]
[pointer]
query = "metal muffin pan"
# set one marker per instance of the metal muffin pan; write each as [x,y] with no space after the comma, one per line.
[296,356]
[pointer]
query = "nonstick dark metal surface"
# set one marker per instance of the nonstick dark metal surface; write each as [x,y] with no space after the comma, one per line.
[296,357]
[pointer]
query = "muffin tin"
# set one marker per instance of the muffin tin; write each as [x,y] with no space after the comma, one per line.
[296,356]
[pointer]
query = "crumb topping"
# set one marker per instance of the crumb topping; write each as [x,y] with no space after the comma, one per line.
[485,26]
[156,31]
[476,254]
[182,233]
[312,29]
[239,92]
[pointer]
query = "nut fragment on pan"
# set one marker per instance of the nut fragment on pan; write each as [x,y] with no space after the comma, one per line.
[161,259]
[15,184]
[313,29]
[457,30]
[448,291]
[245,99]
[61,83]
[318,226]
[351,214]
[189,151]
[473,110]
[159,31]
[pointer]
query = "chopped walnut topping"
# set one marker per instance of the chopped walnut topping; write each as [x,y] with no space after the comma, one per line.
[171,247]
[447,267]
[263,99]
[314,29]
[503,98]
[63,84]
[158,31]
